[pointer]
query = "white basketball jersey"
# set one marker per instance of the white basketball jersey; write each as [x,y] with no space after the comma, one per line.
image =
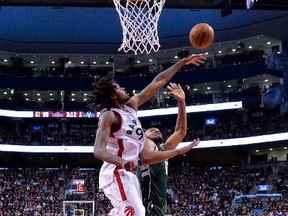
[127,143]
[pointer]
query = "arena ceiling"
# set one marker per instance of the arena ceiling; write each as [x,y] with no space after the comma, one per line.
[93,27]
[89,30]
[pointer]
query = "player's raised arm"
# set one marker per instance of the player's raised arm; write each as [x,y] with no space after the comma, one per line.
[181,124]
[162,79]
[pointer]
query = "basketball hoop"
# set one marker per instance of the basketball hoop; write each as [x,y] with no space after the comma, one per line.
[139,21]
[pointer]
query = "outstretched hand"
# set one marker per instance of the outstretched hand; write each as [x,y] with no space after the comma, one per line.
[187,148]
[176,91]
[195,59]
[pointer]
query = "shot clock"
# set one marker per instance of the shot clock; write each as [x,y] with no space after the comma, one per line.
[77,186]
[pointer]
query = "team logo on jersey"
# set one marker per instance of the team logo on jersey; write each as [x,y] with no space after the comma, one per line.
[129,211]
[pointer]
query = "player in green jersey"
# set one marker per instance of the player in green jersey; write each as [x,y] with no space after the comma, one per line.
[153,165]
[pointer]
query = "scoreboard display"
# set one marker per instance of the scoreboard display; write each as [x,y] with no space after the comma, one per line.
[77,186]
[65,114]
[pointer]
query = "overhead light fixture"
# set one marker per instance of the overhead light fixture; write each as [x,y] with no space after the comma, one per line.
[240,45]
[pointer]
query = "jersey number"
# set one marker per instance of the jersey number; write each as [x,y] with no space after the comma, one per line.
[139,132]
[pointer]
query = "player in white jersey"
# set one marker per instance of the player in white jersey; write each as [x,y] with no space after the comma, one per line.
[120,138]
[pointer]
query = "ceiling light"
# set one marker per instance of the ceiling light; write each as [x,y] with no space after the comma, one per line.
[69,62]
[82,62]
[51,94]
[195,89]
[208,87]
[73,94]
[107,62]
[206,53]
[250,47]
[138,62]
[94,62]
[240,45]
[268,42]
[285,148]
[271,149]
[5,60]
[257,150]
[72,99]
[32,62]
[150,60]
[53,62]
[38,94]
[5,93]
[220,51]
[233,50]
[25,94]
[229,86]
[266,80]
[27,99]
[85,94]
[39,99]
[176,57]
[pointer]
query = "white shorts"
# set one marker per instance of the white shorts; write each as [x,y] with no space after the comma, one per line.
[125,195]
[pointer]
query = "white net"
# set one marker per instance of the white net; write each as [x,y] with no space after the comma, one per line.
[139,21]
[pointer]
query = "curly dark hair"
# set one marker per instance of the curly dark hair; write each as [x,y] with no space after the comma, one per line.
[104,88]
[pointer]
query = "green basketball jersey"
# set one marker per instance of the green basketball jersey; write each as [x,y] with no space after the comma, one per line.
[153,180]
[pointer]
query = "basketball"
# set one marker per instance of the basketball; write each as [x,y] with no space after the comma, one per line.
[201,36]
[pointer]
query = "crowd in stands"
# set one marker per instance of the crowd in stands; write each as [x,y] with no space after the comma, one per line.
[237,129]
[211,191]
[74,134]
[208,191]
[40,192]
